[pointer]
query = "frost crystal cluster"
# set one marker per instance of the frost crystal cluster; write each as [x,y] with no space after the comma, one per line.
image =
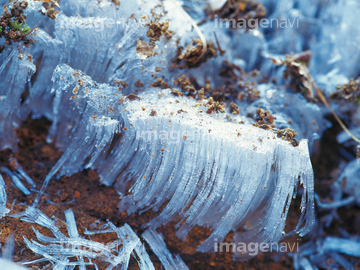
[121,86]
[210,169]
[62,250]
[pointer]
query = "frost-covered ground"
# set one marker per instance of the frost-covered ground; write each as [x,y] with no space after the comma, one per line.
[186,115]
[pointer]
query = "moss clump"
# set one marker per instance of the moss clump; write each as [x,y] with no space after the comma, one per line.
[17,26]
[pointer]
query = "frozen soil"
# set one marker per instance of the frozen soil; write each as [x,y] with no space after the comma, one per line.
[91,201]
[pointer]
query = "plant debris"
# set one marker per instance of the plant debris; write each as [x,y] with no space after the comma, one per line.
[348,92]
[214,106]
[296,69]
[121,84]
[139,84]
[132,97]
[160,83]
[116,2]
[237,84]
[265,120]
[288,134]
[193,56]
[185,85]
[234,109]
[50,6]
[248,92]
[302,81]
[157,29]
[13,25]
[176,92]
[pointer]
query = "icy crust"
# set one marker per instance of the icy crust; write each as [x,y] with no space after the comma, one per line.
[213,171]
[83,119]
[86,46]
[216,173]
[101,41]
[47,54]
[15,70]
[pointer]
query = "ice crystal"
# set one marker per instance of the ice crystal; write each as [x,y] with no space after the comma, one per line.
[6,255]
[230,168]
[9,265]
[16,180]
[157,244]
[327,253]
[131,241]
[3,209]
[347,184]
[61,250]
[16,69]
